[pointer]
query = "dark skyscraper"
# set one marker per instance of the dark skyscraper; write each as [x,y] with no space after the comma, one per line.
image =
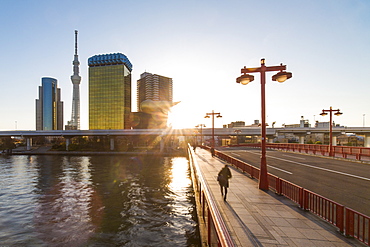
[154,99]
[154,87]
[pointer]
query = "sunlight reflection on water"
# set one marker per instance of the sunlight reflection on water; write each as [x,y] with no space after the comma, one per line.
[96,201]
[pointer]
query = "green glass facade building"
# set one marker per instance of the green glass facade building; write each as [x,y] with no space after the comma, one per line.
[109,91]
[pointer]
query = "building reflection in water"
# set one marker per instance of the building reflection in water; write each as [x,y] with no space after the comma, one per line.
[115,200]
[69,209]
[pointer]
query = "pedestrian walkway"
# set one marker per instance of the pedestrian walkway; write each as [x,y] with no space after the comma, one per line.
[258,218]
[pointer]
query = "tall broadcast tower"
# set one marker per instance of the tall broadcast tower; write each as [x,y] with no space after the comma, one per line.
[76,79]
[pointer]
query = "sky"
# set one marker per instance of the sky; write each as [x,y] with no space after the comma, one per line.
[202,45]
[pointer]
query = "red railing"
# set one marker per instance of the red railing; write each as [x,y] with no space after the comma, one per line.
[357,226]
[211,219]
[347,152]
[348,221]
[327,209]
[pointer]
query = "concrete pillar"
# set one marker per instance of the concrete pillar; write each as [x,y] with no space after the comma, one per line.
[334,141]
[270,139]
[111,143]
[68,141]
[301,139]
[29,143]
[367,141]
[161,145]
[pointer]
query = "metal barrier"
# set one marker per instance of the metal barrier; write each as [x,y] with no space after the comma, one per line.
[357,226]
[347,152]
[327,209]
[208,213]
[348,221]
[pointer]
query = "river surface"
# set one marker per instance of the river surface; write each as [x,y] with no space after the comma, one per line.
[56,200]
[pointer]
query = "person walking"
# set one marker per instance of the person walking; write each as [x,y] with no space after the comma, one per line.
[223,180]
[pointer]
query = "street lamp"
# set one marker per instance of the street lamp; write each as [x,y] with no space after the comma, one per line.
[337,113]
[244,79]
[201,132]
[213,124]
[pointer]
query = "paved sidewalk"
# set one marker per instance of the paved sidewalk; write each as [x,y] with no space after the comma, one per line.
[258,218]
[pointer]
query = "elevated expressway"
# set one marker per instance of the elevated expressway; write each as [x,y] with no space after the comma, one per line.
[246,131]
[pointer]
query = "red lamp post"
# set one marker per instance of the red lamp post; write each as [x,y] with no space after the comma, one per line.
[337,113]
[244,79]
[213,124]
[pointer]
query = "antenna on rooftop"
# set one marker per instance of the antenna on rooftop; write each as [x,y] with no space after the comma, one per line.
[76,32]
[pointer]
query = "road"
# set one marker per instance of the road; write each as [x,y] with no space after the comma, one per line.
[345,182]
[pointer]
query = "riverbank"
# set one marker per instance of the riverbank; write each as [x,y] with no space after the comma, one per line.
[45,150]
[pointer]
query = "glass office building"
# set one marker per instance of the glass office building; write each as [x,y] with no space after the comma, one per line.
[49,107]
[109,91]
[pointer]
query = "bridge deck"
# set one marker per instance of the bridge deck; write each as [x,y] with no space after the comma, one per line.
[257,218]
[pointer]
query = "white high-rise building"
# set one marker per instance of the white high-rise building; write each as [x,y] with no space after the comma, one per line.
[74,124]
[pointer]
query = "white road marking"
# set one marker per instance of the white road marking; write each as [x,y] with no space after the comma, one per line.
[319,168]
[300,158]
[236,154]
[323,169]
[280,169]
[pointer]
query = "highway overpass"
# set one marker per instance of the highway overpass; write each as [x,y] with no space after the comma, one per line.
[246,131]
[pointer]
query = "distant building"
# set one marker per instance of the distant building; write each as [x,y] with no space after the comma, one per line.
[109,91]
[154,100]
[236,124]
[154,87]
[49,107]
[240,124]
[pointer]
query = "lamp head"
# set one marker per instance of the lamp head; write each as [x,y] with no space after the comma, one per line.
[207,116]
[338,113]
[245,79]
[323,114]
[218,116]
[282,76]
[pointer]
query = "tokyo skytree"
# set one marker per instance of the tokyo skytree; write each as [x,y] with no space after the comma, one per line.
[76,79]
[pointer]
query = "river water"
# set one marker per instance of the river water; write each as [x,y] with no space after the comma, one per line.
[57,200]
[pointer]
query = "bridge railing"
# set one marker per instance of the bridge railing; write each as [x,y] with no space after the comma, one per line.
[348,221]
[357,226]
[208,213]
[347,152]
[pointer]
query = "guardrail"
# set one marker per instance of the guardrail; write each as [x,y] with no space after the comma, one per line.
[357,153]
[208,213]
[348,221]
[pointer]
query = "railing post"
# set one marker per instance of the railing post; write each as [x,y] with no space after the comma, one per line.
[209,228]
[278,185]
[305,199]
[340,218]
[358,157]
[301,197]
[349,223]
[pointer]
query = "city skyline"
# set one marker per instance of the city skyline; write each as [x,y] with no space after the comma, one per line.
[202,46]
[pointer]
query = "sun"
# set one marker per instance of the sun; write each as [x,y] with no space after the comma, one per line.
[181,117]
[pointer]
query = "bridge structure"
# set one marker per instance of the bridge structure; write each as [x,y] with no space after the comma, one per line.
[271,133]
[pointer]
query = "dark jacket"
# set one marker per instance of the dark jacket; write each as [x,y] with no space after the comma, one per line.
[223,177]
